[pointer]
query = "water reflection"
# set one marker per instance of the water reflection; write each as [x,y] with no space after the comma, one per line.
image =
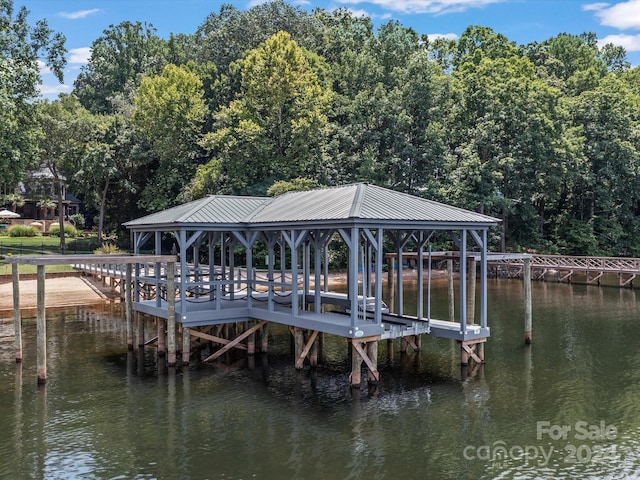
[109,413]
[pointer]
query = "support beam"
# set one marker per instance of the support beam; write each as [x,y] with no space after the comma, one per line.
[215,339]
[162,337]
[358,356]
[41,328]
[526,278]
[471,291]
[307,348]
[17,319]
[451,290]
[171,314]
[186,345]
[129,306]
[472,350]
[235,341]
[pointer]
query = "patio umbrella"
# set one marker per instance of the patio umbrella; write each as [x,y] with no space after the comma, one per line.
[8,214]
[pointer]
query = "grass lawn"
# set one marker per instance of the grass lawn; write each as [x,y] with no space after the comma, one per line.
[41,245]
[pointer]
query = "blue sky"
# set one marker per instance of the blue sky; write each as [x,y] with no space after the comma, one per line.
[522,21]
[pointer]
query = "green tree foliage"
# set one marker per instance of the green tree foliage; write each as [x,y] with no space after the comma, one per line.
[275,128]
[508,142]
[21,46]
[544,135]
[169,112]
[119,59]
[296,185]
[67,129]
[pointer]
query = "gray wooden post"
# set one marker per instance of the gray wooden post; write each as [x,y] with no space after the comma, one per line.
[41,328]
[528,338]
[471,291]
[171,313]
[17,319]
[452,312]
[128,306]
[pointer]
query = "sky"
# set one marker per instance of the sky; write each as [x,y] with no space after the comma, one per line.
[522,21]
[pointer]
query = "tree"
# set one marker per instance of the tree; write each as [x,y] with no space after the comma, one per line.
[21,45]
[275,128]
[508,144]
[295,185]
[119,59]
[67,128]
[169,112]
[105,160]
[15,200]
[603,203]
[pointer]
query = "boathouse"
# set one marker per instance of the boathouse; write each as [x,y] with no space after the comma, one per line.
[251,260]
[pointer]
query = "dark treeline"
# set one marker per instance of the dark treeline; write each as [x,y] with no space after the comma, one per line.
[545,136]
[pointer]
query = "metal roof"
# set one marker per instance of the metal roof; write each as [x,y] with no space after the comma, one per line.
[361,201]
[358,201]
[212,209]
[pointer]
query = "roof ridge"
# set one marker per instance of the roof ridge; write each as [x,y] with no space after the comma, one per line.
[197,204]
[356,206]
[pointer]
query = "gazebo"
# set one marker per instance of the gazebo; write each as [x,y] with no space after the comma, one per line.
[254,260]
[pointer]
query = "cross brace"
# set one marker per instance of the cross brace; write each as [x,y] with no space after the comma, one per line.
[235,341]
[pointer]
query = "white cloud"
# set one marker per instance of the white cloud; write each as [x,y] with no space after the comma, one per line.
[44,69]
[623,15]
[594,7]
[79,55]
[359,13]
[448,36]
[54,89]
[631,43]
[425,6]
[78,14]
[255,3]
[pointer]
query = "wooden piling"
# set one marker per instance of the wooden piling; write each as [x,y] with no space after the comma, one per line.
[41,328]
[162,338]
[298,342]
[129,306]
[313,353]
[264,338]
[186,345]
[355,378]
[528,336]
[17,319]
[171,314]
[372,353]
[251,340]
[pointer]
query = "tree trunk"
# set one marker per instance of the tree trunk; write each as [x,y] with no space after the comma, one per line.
[58,185]
[103,201]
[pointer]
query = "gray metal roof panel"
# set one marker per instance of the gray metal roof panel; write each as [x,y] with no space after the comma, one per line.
[348,202]
[361,201]
[212,209]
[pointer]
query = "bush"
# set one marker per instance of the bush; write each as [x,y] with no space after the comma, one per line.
[23,231]
[107,249]
[69,231]
[78,220]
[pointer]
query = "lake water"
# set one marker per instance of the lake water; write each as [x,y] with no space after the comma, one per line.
[567,407]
